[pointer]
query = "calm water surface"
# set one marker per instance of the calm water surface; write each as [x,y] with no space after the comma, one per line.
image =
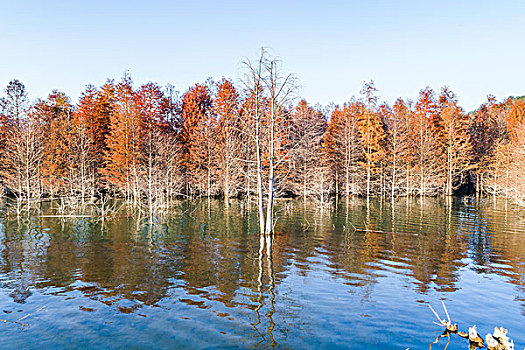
[349,276]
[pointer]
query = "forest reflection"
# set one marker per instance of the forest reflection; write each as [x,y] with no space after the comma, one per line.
[207,252]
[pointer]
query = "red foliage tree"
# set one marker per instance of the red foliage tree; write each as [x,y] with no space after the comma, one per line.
[197,138]
[123,152]
[226,108]
[55,115]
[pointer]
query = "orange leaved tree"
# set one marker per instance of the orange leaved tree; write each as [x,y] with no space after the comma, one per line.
[226,108]
[371,133]
[455,140]
[123,151]
[197,138]
[55,114]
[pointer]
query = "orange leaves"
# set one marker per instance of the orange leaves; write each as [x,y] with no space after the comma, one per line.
[136,118]
[341,137]
[120,137]
[55,114]
[226,108]
[91,119]
[197,133]
[371,134]
[515,115]
[122,153]
[151,105]
[355,133]
[196,107]
[225,104]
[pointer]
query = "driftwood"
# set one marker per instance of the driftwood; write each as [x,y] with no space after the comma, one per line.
[474,338]
[496,341]
[499,340]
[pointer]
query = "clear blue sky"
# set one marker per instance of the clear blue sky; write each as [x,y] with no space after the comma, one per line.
[475,47]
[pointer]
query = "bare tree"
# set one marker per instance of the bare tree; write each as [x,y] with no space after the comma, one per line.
[271,91]
[23,146]
[307,129]
[343,148]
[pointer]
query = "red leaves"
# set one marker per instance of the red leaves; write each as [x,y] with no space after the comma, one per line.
[197,132]
[136,118]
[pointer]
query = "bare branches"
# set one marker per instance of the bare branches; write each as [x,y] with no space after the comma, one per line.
[496,341]
[453,328]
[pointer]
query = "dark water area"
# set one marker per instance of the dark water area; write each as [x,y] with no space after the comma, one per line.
[349,276]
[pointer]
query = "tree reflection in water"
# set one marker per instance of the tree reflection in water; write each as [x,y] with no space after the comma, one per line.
[265,241]
[209,256]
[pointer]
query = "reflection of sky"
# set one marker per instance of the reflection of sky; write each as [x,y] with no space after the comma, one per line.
[101,283]
[472,46]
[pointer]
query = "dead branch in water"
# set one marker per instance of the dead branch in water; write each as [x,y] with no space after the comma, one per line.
[387,232]
[18,322]
[452,328]
[496,341]
[21,324]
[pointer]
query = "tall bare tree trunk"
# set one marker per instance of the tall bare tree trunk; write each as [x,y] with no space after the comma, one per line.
[269,205]
[260,194]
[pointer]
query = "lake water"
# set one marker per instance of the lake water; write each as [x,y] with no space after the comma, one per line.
[348,276]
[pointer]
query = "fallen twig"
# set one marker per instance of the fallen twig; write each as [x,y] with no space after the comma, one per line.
[21,324]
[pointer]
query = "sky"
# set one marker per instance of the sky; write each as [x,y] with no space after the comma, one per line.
[474,47]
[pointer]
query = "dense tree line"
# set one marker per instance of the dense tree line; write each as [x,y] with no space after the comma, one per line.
[149,145]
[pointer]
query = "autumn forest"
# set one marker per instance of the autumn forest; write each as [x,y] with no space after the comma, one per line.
[148,144]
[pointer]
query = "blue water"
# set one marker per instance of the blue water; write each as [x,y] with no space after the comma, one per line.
[345,276]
